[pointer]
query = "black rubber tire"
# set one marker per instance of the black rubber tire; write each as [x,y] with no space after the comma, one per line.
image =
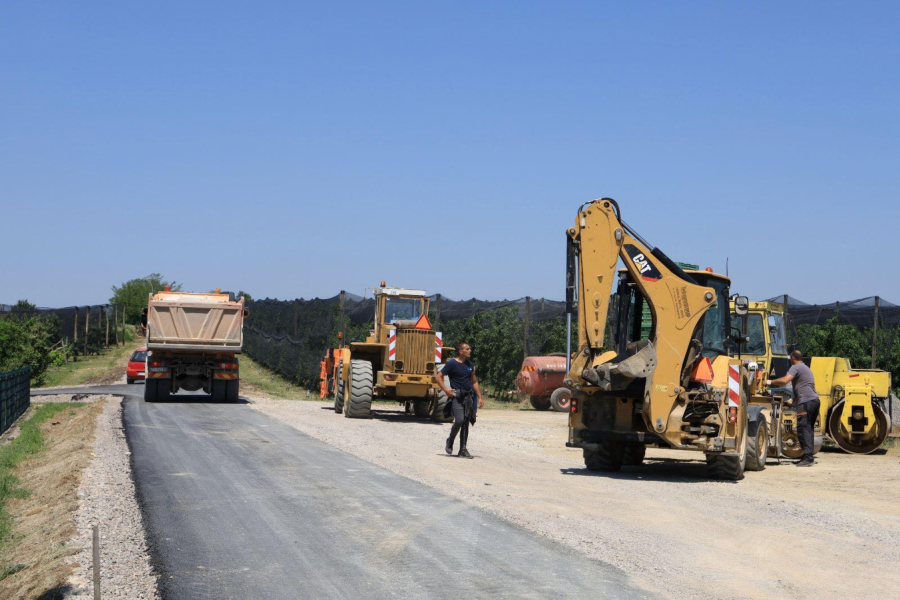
[163,389]
[440,400]
[757,444]
[730,468]
[233,391]
[634,454]
[359,397]
[129,379]
[561,399]
[539,403]
[422,408]
[339,389]
[150,390]
[218,390]
[608,456]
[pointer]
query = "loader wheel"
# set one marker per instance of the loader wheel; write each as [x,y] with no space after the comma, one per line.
[757,444]
[539,403]
[339,389]
[561,399]
[634,454]
[358,404]
[608,456]
[232,391]
[854,443]
[150,390]
[437,413]
[422,408]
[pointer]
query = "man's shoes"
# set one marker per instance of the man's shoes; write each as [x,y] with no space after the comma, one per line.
[449,446]
[465,454]
[806,463]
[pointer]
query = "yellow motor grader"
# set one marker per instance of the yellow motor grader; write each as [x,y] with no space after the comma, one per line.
[852,401]
[678,387]
[397,361]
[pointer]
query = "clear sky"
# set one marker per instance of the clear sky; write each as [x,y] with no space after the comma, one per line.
[294,149]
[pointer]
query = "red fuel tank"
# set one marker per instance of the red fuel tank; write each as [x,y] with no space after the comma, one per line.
[540,375]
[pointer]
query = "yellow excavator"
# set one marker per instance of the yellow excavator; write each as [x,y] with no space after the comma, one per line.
[678,387]
[852,409]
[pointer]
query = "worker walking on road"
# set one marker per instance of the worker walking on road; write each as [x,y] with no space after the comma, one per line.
[806,401]
[464,396]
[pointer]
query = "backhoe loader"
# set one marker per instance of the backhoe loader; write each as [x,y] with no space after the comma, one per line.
[677,387]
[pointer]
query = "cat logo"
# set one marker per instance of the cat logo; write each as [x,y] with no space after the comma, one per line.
[648,270]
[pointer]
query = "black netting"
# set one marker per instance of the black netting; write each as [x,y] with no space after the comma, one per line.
[73,323]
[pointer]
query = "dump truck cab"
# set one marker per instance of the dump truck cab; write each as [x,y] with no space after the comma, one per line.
[397,361]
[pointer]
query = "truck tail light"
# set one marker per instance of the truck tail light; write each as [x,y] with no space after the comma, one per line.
[228,365]
[157,363]
[573,406]
[732,414]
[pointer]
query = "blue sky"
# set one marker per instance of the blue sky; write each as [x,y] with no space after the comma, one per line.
[294,149]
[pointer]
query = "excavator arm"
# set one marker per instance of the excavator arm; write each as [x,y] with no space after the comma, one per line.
[599,239]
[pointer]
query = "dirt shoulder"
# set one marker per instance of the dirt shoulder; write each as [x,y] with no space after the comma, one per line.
[37,549]
[663,523]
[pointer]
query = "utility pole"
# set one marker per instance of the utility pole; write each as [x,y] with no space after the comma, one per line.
[875,332]
[106,312]
[75,338]
[87,322]
[341,325]
[115,322]
[437,314]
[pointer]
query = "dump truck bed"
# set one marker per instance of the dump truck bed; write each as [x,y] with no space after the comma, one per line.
[195,322]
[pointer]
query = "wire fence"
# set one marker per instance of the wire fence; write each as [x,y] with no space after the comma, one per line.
[82,330]
[15,396]
[291,336]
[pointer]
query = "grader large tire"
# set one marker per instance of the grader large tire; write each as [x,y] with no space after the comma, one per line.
[609,456]
[422,408]
[339,389]
[634,454]
[539,403]
[757,444]
[561,399]
[358,403]
[856,444]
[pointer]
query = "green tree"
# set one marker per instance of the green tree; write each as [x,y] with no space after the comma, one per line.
[247,297]
[27,341]
[23,306]
[133,294]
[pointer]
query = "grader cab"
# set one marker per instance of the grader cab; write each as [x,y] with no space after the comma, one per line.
[397,361]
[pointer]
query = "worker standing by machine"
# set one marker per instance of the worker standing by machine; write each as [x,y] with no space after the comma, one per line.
[806,400]
[464,393]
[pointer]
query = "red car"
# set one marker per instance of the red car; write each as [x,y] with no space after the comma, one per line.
[136,365]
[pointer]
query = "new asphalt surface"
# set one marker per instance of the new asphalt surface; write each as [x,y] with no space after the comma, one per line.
[240,505]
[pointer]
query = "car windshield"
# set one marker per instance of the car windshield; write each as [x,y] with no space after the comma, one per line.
[139,356]
[402,309]
[777,334]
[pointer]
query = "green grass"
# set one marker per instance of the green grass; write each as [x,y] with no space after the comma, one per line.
[89,369]
[29,443]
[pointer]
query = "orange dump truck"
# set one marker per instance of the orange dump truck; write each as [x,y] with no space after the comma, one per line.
[193,341]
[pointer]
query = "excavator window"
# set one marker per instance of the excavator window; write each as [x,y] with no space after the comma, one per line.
[756,344]
[402,309]
[633,318]
[777,334]
[717,320]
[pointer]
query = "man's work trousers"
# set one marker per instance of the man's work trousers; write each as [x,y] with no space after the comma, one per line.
[807,413]
[462,411]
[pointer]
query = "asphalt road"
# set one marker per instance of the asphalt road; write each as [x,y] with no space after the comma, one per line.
[240,505]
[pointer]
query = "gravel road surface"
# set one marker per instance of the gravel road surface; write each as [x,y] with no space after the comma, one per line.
[241,505]
[783,532]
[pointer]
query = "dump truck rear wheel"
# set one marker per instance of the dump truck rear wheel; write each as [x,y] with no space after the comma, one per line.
[232,390]
[608,456]
[339,389]
[757,444]
[218,390]
[163,389]
[359,399]
[539,403]
[634,454]
[150,390]
[561,399]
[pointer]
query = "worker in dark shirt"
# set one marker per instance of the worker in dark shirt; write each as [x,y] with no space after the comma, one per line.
[464,394]
[806,401]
